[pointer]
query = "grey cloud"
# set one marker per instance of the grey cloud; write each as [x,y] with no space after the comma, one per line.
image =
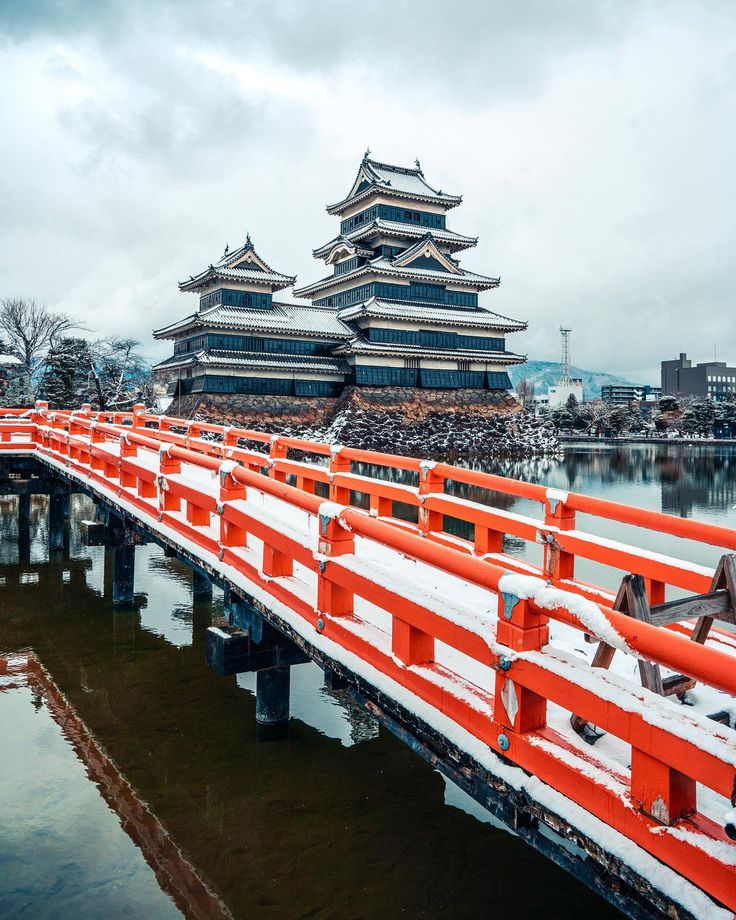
[593,142]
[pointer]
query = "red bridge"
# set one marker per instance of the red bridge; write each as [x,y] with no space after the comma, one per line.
[558,704]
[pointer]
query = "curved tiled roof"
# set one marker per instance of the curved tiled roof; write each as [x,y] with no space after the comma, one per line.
[279,317]
[258,360]
[274,279]
[384,266]
[480,317]
[456,241]
[254,268]
[361,345]
[402,181]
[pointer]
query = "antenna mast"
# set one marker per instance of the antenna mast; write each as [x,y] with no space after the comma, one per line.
[565,375]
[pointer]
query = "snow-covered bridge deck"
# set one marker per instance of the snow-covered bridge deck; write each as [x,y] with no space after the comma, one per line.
[490,654]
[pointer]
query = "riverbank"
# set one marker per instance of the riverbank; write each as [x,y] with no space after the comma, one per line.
[689,442]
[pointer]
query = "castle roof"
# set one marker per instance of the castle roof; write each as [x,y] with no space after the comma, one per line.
[256,360]
[385,266]
[478,318]
[242,264]
[315,322]
[362,346]
[380,227]
[396,181]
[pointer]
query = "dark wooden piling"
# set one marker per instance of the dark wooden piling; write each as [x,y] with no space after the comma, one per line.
[272,702]
[123,575]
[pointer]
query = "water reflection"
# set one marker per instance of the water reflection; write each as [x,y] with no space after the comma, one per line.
[62,851]
[339,820]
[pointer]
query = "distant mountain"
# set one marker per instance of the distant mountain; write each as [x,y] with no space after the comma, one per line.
[544,374]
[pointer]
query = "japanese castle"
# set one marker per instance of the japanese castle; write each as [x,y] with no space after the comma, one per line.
[397,309]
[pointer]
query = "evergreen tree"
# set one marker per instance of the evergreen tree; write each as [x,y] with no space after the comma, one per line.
[668,404]
[619,419]
[636,423]
[66,376]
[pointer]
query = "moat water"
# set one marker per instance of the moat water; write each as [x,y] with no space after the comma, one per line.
[340,820]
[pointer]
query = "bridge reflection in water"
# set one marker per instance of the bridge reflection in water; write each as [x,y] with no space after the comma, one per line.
[338,820]
[444,637]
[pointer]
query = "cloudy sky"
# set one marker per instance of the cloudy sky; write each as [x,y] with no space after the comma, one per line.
[594,144]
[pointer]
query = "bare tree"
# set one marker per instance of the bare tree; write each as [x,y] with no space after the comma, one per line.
[118,374]
[595,414]
[525,391]
[30,328]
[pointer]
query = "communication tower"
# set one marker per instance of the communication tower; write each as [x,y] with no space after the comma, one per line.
[565,375]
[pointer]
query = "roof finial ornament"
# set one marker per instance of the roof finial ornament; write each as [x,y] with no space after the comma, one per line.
[418,164]
[227,248]
[247,239]
[367,153]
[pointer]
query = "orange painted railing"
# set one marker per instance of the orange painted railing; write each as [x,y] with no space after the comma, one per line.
[152,466]
[555,529]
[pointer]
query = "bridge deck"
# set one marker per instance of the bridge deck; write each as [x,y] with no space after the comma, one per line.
[488,651]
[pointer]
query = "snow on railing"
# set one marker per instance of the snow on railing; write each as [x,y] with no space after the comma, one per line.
[506,679]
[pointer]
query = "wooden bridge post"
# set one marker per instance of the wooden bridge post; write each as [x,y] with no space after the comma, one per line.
[338,464]
[305,483]
[276,451]
[655,591]
[127,449]
[659,790]
[516,708]
[38,417]
[97,462]
[276,563]
[167,465]
[487,541]
[334,540]
[139,410]
[429,483]
[230,490]
[410,644]
[380,506]
[558,564]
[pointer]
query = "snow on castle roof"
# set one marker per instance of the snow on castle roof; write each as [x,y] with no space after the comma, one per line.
[257,361]
[384,266]
[279,317]
[242,264]
[402,181]
[480,317]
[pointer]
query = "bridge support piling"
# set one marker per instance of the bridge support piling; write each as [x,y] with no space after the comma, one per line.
[123,575]
[24,529]
[201,586]
[58,513]
[272,702]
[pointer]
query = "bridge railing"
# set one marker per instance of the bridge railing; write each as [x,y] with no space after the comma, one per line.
[554,530]
[504,676]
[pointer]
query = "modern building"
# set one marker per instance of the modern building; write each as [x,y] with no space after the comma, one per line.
[621,394]
[710,379]
[397,309]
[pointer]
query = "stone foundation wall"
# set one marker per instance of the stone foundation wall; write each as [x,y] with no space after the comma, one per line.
[255,411]
[401,420]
